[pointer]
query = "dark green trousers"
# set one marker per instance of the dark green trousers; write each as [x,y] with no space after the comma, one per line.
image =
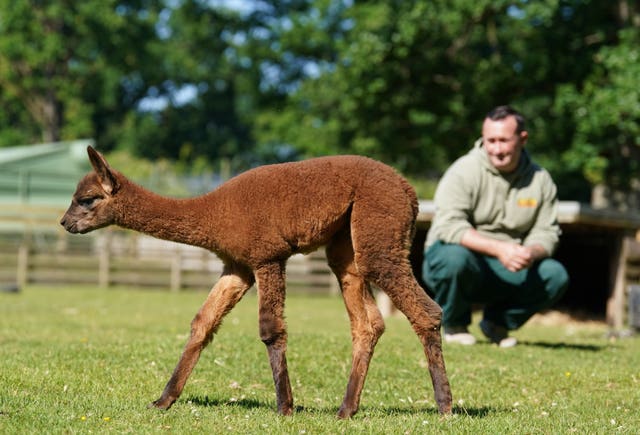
[460,278]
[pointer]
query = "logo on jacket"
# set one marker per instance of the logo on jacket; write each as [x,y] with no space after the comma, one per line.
[527,202]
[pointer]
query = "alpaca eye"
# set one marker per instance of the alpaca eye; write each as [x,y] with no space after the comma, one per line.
[87,202]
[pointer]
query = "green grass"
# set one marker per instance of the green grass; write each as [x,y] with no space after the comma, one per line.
[84,360]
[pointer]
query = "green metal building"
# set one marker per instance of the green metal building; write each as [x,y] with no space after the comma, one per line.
[43,174]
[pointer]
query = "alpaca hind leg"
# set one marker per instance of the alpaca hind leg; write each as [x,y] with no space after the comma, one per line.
[367,324]
[425,317]
[381,229]
[273,330]
[222,298]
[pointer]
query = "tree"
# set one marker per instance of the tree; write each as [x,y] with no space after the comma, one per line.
[75,67]
[408,83]
[412,81]
[604,109]
[225,59]
[193,110]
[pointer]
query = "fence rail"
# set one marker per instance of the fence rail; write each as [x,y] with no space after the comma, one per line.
[34,250]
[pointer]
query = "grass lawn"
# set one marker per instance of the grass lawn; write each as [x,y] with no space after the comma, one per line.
[85,360]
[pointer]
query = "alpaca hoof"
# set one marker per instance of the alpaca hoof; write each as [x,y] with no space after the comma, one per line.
[286,411]
[345,413]
[161,403]
[445,409]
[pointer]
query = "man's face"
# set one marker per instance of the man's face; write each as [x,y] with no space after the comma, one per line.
[502,143]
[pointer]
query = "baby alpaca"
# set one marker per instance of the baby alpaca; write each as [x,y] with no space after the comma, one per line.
[360,209]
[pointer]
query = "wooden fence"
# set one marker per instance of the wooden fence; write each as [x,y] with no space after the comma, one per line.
[35,250]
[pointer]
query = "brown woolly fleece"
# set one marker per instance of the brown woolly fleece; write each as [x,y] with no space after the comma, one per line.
[360,209]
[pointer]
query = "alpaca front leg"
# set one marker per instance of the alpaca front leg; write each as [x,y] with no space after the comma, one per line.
[222,298]
[273,332]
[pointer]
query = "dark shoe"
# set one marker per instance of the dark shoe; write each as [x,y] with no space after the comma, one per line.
[497,334]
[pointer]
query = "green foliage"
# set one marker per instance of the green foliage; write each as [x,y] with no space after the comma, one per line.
[81,360]
[408,83]
[182,178]
[425,187]
[413,80]
[607,115]
[66,63]
[208,124]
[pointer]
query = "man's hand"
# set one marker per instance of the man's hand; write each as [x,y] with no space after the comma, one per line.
[513,257]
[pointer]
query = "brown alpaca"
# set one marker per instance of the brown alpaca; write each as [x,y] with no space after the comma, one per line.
[362,210]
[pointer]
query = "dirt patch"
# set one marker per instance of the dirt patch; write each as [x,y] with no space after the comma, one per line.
[553,318]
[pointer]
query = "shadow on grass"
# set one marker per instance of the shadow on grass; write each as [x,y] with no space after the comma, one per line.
[480,412]
[573,346]
[248,404]
[206,401]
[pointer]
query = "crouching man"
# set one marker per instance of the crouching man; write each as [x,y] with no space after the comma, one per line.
[494,230]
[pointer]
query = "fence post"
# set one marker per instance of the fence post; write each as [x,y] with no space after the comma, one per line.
[22,273]
[104,261]
[176,271]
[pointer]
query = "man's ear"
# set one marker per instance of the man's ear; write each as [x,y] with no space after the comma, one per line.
[107,177]
[524,136]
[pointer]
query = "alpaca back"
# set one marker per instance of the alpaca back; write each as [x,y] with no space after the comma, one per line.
[297,207]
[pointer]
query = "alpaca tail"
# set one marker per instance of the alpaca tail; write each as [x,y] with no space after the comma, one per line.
[413,200]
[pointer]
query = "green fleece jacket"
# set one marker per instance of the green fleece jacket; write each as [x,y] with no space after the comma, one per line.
[521,206]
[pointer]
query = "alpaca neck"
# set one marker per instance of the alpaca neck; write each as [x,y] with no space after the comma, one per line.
[177,220]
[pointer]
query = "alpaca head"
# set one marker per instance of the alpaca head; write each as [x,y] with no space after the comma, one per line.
[92,203]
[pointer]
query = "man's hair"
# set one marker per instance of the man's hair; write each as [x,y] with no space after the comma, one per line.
[502,112]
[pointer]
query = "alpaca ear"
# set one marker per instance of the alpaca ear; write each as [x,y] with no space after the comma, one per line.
[107,177]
